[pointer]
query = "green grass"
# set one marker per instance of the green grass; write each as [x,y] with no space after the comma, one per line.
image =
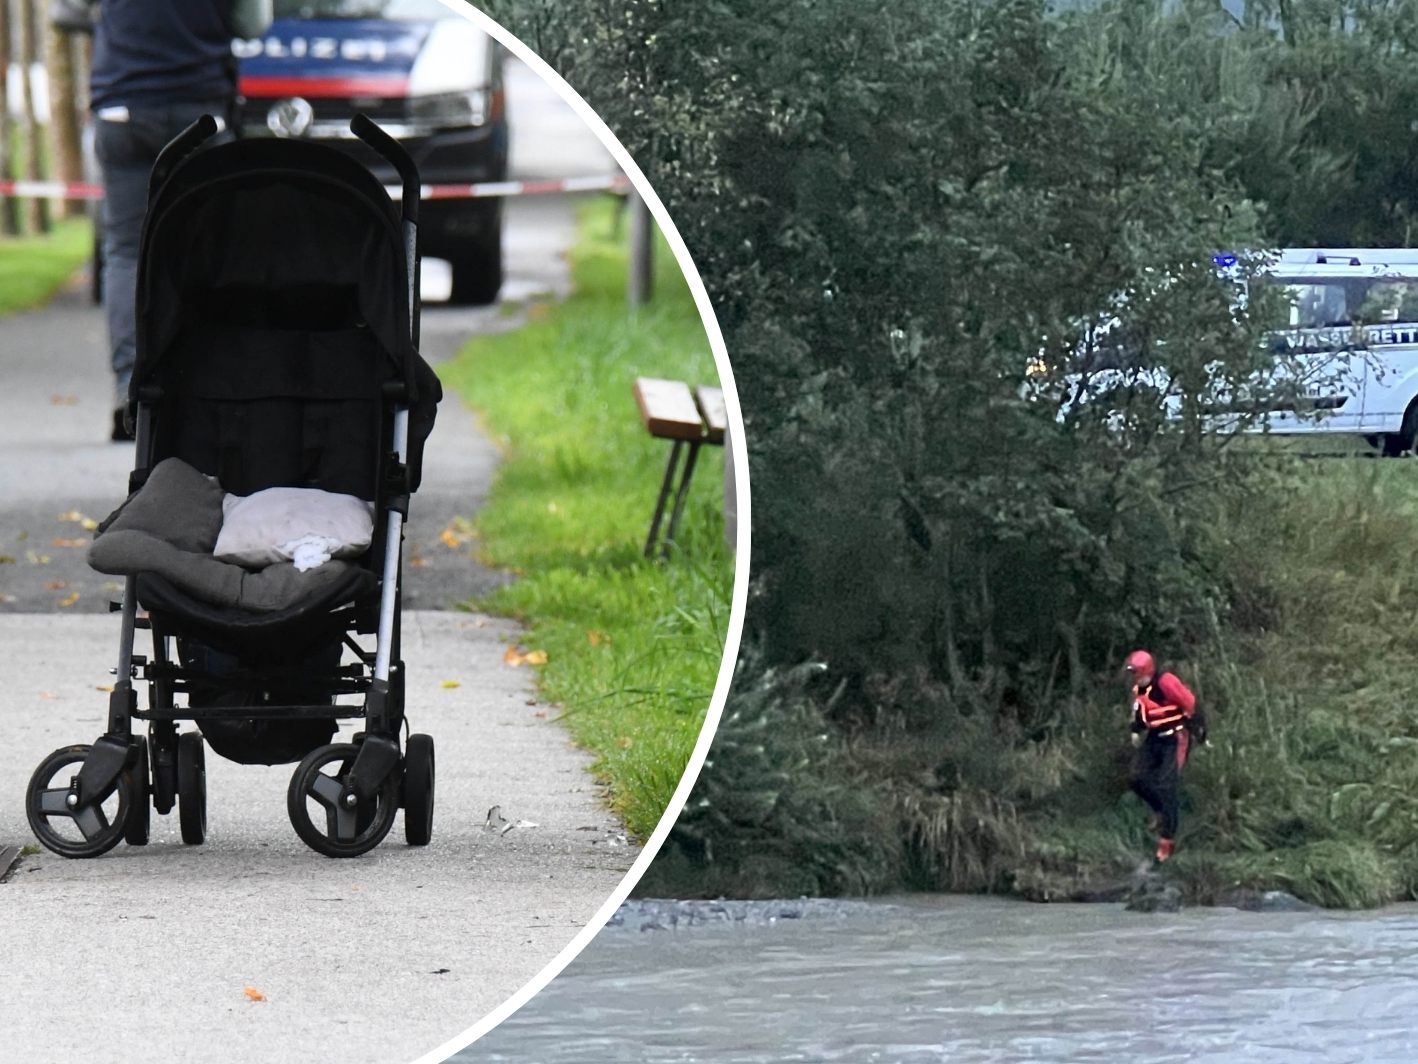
[33,268]
[633,646]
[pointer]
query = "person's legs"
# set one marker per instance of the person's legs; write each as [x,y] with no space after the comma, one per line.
[1142,783]
[1167,794]
[1156,784]
[1165,782]
[126,151]
[126,164]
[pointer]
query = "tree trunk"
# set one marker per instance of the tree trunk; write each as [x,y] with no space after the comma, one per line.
[64,88]
[37,103]
[10,214]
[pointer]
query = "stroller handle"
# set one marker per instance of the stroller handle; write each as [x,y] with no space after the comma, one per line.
[177,149]
[394,154]
[364,127]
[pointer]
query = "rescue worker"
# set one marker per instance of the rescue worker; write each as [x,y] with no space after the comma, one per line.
[1165,722]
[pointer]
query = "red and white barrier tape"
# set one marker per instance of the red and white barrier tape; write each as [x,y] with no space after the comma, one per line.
[608,182]
[483,190]
[50,190]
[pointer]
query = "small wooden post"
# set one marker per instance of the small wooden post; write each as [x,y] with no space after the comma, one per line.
[642,247]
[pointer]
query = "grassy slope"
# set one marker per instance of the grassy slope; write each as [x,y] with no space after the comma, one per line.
[633,647]
[33,268]
[1307,786]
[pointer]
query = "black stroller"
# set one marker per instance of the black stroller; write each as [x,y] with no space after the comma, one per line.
[278,315]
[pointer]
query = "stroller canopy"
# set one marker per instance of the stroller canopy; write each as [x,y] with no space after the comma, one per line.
[268,239]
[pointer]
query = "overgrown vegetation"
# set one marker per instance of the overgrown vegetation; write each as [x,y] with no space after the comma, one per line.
[917,221]
[633,646]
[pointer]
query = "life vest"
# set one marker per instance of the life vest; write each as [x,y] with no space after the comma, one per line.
[1160,718]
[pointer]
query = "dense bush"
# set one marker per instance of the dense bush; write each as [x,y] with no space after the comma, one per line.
[918,220]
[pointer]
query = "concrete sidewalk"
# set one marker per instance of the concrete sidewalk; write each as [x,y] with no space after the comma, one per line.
[146,953]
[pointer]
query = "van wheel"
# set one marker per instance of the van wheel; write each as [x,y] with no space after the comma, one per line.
[477,275]
[476,284]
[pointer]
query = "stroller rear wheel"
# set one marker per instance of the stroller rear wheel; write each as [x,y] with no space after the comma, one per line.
[162,750]
[135,825]
[192,787]
[326,822]
[418,790]
[86,830]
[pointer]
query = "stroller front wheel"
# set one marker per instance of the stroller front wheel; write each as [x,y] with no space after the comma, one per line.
[323,818]
[83,830]
[136,824]
[192,788]
[418,790]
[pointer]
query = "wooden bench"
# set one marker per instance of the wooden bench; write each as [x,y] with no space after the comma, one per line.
[689,418]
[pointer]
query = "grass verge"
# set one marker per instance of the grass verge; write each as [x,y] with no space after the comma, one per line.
[33,268]
[633,647]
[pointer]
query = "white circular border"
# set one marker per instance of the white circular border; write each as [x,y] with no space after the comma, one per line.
[739,455]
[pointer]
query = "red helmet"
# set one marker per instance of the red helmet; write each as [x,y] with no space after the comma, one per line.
[1140,663]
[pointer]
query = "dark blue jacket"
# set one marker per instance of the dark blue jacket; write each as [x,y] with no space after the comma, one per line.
[161,51]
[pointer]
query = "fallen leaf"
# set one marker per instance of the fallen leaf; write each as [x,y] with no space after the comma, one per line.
[446,684]
[70,515]
[88,524]
[449,539]
[68,600]
[60,541]
[56,585]
[596,638]
[36,558]
[418,563]
[7,598]
[253,994]
[512,656]
[107,688]
[64,400]
[540,713]
[5,559]
[625,742]
[535,657]
[47,696]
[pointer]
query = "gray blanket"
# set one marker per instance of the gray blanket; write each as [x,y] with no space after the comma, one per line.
[169,527]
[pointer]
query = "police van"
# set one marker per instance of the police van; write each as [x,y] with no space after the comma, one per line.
[1345,352]
[1353,324]
[426,73]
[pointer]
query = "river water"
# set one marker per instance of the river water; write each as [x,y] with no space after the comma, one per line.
[972,979]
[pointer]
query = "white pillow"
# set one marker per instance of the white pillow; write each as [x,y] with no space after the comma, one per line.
[272,525]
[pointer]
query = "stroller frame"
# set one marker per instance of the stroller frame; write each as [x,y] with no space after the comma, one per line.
[375,777]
